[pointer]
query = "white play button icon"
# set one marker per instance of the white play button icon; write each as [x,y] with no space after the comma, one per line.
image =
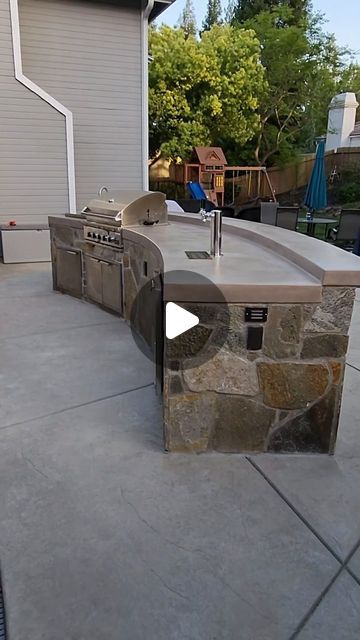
[178,320]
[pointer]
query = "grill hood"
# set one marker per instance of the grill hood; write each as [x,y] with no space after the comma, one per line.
[128,208]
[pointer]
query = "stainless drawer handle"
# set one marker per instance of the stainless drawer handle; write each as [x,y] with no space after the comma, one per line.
[72,253]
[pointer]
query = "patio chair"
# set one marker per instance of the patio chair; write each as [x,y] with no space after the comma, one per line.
[287,218]
[346,233]
[268,212]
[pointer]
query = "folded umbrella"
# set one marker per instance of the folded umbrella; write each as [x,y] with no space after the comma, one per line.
[316,193]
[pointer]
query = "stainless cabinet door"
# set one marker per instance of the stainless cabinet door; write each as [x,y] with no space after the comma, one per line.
[69,272]
[93,279]
[112,286]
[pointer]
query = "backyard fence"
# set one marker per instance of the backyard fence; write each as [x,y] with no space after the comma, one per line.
[287,179]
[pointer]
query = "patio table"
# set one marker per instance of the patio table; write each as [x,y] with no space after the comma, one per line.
[311,224]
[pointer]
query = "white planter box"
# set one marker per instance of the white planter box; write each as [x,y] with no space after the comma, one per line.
[25,245]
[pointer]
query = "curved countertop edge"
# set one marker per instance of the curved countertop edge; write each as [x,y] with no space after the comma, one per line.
[226,293]
[315,256]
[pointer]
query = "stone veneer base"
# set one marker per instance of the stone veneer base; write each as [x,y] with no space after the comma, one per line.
[283,398]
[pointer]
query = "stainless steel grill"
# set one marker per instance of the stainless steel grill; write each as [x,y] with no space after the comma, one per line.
[103,246]
[128,208]
[111,211]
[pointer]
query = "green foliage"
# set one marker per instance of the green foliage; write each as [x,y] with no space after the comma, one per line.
[213,14]
[260,87]
[349,192]
[242,10]
[203,92]
[187,20]
[303,66]
[349,189]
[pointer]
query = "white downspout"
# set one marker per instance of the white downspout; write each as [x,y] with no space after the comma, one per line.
[145,90]
[29,84]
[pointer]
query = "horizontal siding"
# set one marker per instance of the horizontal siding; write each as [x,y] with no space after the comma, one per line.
[87,55]
[33,162]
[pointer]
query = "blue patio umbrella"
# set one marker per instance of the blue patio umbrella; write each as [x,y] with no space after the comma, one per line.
[316,193]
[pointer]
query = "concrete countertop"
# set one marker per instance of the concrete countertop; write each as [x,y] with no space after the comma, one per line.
[24,227]
[247,272]
[68,220]
[261,263]
[331,265]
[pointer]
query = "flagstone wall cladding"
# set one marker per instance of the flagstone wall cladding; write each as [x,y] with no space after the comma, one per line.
[283,398]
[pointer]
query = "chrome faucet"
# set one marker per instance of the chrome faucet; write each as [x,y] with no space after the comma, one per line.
[215,217]
[103,190]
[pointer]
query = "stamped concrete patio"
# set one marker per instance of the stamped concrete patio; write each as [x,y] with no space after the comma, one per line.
[103,536]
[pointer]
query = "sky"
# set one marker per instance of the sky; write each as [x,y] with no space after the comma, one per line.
[343,18]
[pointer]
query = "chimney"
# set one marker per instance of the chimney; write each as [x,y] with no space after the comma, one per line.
[342,118]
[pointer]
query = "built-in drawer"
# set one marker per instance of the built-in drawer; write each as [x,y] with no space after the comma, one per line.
[69,271]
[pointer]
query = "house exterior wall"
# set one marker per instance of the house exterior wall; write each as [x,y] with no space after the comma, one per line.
[33,171]
[87,55]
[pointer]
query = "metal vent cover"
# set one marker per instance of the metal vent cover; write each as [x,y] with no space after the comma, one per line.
[198,255]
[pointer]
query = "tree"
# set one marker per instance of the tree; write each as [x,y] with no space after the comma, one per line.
[241,10]
[213,14]
[203,92]
[187,20]
[302,67]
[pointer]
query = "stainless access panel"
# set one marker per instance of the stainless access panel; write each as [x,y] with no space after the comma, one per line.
[93,279]
[26,245]
[112,286]
[69,271]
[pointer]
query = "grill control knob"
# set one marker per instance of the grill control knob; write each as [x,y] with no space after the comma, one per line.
[89,235]
[104,238]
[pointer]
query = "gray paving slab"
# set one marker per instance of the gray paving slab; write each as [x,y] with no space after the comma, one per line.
[348,441]
[39,314]
[325,490]
[354,564]
[338,615]
[25,280]
[40,374]
[104,536]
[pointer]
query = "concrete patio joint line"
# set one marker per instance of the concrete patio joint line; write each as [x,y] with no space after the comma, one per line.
[352,366]
[77,406]
[324,592]
[295,510]
[73,327]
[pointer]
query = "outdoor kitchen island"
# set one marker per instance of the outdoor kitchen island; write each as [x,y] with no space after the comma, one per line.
[263,370]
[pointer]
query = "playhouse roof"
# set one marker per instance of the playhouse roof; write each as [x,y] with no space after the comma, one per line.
[210,155]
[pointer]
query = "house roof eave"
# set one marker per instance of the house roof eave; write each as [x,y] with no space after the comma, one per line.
[159,7]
